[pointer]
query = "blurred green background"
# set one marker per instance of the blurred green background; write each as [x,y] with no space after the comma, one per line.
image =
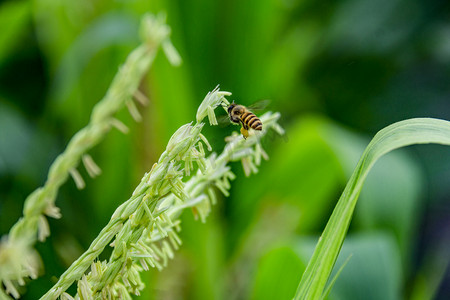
[338,71]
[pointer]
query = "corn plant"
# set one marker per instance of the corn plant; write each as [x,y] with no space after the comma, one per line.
[143,230]
[18,259]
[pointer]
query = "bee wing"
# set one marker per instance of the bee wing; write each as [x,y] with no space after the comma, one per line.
[223,120]
[259,105]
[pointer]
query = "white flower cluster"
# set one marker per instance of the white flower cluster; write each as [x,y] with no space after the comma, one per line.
[212,100]
[145,227]
[18,259]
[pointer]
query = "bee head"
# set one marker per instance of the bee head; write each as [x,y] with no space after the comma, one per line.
[230,108]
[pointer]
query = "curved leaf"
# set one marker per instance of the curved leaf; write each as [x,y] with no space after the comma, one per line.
[397,135]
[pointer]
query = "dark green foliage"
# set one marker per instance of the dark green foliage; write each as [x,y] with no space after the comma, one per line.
[337,71]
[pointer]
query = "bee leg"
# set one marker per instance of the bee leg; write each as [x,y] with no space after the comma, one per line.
[244,132]
[244,129]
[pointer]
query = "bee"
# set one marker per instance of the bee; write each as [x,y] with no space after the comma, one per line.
[239,114]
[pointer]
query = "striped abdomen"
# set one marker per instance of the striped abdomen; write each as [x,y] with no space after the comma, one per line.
[251,120]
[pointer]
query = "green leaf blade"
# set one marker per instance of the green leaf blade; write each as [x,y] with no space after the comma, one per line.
[397,135]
